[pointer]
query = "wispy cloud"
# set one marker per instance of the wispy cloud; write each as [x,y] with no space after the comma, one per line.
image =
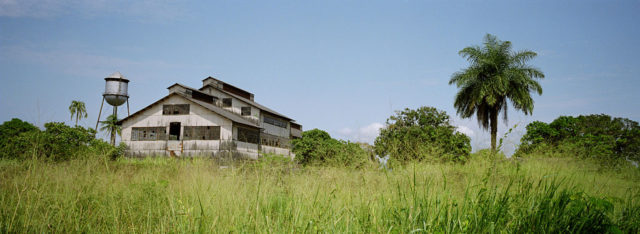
[141,9]
[77,62]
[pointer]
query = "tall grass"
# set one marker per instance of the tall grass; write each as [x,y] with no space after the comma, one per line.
[169,195]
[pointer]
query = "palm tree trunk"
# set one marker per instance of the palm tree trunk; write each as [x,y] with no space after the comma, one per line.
[113,129]
[494,129]
[76,120]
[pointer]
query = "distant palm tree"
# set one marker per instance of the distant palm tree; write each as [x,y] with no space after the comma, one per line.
[78,109]
[110,125]
[495,74]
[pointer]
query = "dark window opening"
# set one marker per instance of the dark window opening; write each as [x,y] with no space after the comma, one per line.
[174,131]
[202,97]
[248,135]
[148,133]
[201,133]
[177,109]
[226,102]
[246,111]
[236,91]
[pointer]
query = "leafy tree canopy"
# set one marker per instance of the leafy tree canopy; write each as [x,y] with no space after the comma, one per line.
[422,134]
[589,136]
[316,147]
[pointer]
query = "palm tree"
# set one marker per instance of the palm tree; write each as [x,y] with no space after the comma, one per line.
[110,125]
[78,109]
[496,74]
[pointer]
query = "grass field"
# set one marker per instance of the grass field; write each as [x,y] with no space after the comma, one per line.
[272,195]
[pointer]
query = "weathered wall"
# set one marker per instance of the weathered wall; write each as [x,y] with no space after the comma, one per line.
[236,104]
[276,150]
[275,130]
[198,116]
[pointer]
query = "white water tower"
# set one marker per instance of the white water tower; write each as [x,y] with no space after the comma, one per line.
[115,92]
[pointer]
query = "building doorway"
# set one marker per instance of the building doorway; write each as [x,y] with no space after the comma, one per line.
[174,131]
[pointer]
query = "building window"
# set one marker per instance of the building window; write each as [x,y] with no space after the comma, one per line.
[148,133]
[274,141]
[275,122]
[177,109]
[246,111]
[202,97]
[226,102]
[248,135]
[201,132]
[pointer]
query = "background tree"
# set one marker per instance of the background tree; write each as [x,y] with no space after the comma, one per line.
[316,147]
[78,109]
[110,125]
[495,76]
[424,134]
[601,137]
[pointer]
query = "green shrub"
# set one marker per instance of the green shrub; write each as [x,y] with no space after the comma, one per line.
[57,142]
[317,147]
[424,134]
[12,137]
[600,137]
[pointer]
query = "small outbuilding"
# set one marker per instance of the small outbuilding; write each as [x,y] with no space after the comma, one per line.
[217,119]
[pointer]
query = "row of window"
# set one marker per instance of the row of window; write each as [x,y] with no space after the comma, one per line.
[190,133]
[274,141]
[148,133]
[275,122]
[175,109]
[202,132]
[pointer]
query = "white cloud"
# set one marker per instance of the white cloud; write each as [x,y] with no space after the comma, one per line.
[366,133]
[465,130]
[345,131]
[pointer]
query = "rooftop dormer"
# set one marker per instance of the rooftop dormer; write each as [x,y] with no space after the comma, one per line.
[218,84]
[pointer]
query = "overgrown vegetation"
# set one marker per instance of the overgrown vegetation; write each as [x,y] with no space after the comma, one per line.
[424,134]
[316,147]
[58,142]
[609,140]
[272,195]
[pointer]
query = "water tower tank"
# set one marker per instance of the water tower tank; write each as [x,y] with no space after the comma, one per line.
[115,90]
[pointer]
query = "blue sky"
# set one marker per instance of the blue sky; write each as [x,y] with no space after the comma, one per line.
[341,66]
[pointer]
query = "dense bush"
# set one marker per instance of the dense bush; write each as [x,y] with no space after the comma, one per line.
[422,134]
[12,137]
[591,136]
[317,147]
[57,142]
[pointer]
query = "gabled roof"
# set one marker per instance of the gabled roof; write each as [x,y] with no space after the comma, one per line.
[234,118]
[261,107]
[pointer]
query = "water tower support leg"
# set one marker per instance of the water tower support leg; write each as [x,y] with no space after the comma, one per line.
[100,113]
[128,113]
